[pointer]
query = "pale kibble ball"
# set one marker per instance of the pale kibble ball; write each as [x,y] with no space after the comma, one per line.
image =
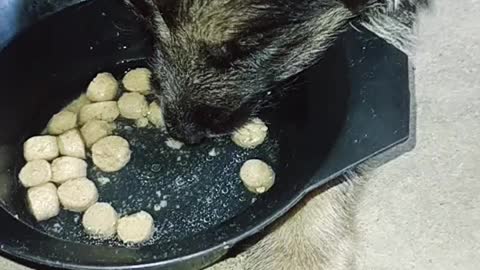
[94,130]
[135,228]
[77,195]
[105,110]
[35,172]
[110,154]
[40,147]
[257,176]
[76,105]
[61,122]
[155,115]
[67,168]
[137,80]
[251,134]
[100,221]
[71,144]
[103,87]
[141,122]
[43,201]
[133,106]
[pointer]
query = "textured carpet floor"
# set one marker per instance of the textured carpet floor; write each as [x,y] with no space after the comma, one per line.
[422,211]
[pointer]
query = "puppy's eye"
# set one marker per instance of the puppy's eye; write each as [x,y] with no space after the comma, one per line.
[156,85]
[222,55]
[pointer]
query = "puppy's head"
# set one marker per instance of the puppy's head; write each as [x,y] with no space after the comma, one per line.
[204,90]
[216,62]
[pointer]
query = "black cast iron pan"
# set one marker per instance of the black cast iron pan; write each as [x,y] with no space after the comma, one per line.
[351,106]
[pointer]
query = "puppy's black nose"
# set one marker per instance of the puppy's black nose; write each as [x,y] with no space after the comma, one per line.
[187,134]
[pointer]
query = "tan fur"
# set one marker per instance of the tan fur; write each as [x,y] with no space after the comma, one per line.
[394,24]
[215,22]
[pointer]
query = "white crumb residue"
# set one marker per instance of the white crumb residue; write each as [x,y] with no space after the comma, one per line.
[57,227]
[163,204]
[213,152]
[103,180]
[76,219]
[179,158]
[174,144]
[157,207]
[159,193]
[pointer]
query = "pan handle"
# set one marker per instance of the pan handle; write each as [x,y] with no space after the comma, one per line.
[380,119]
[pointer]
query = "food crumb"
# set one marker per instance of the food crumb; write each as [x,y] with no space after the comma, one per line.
[103,180]
[213,152]
[163,203]
[157,207]
[174,144]
[57,227]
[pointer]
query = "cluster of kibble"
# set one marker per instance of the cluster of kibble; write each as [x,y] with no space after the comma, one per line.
[56,171]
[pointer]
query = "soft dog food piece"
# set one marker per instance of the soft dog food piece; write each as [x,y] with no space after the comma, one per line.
[106,110]
[77,195]
[71,144]
[76,105]
[94,130]
[257,176]
[41,147]
[133,106]
[100,221]
[67,168]
[43,201]
[141,122]
[137,80]
[155,115]
[35,172]
[250,135]
[111,153]
[103,87]
[61,122]
[136,228]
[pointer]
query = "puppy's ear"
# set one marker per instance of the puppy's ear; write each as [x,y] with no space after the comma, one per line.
[142,8]
[151,12]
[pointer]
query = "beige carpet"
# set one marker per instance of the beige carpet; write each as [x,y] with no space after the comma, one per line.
[422,211]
